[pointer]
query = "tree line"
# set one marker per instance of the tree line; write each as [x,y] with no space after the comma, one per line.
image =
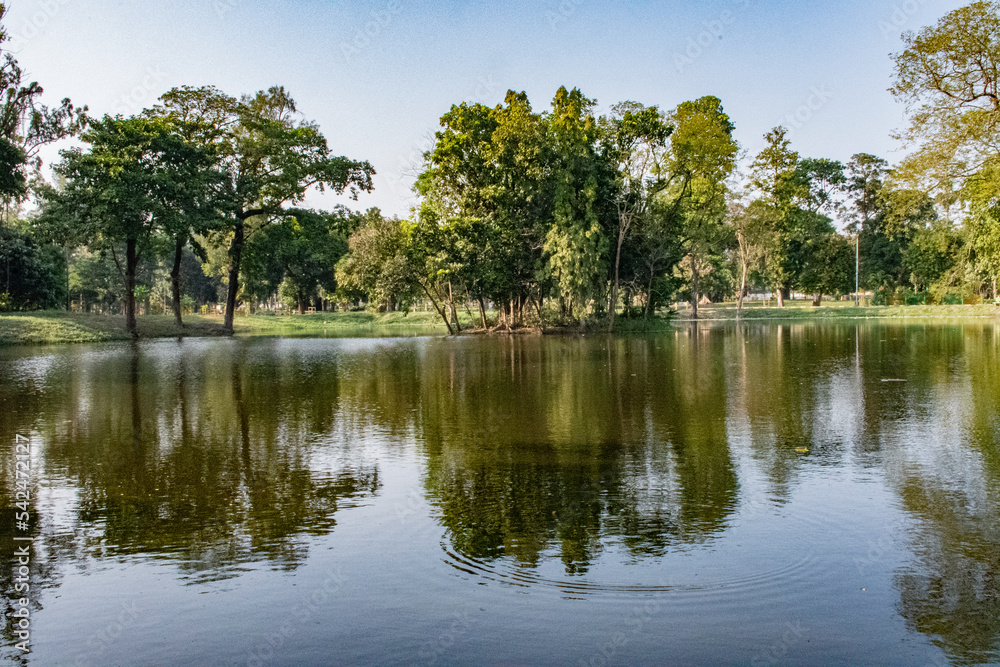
[561,215]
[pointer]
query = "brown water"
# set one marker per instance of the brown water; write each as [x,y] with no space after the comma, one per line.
[813,493]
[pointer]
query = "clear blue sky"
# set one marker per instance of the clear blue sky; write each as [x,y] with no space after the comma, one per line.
[377,75]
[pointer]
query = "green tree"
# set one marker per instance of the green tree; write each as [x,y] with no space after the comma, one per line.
[26,125]
[749,228]
[935,251]
[136,172]
[269,161]
[702,156]
[576,243]
[822,179]
[201,118]
[486,187]
[948,75]
[634,139]
[829,267]
[32,274]
[866,176]
[774,175]
[983,223]
[379,262]
[309,244]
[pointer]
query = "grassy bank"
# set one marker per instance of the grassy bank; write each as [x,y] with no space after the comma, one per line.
[804,310]
[61,327]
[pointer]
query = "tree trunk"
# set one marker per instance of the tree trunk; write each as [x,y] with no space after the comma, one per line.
[131,261]
[781,298]
[440,310]
[817,300]
[482,312]
[694,288]
[451,307]
[69,297]
[649,298]
[857,270]
[743,290]
[302,305]
[175,278]
[613,301]
[235,255]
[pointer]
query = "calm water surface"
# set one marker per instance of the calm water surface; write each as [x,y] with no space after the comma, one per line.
[823,494]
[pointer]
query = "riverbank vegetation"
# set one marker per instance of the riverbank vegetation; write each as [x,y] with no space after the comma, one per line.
[60,327]
[558,218]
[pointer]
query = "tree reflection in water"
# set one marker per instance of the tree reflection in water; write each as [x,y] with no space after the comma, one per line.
[214,455]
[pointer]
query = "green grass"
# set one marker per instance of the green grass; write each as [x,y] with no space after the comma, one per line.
[318,322]
[60,327]
[804,310]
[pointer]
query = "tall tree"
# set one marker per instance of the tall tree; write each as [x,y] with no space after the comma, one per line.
[136,173]
[26,125]
[202,117]
[948,75]
[576,243]
[487,175]
[702,156]
[750,231]
[774,176]
[635,141]
[269,160]
[866,175]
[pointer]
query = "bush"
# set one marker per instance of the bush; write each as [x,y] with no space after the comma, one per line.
[33,274]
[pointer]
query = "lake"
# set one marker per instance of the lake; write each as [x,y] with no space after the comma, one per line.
[769,493]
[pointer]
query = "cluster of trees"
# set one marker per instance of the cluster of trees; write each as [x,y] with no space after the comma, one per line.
[554,215]
[566,215]
[203,168]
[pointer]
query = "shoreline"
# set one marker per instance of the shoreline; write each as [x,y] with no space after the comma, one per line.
[59,327]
